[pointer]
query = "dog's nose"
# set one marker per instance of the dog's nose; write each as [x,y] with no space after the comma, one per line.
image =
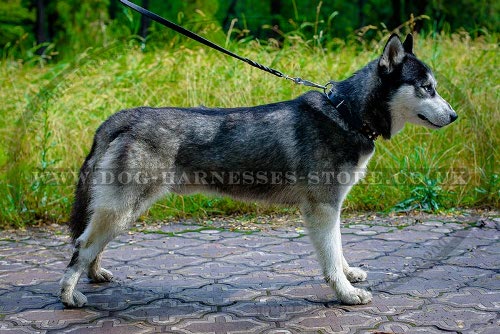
[453,117]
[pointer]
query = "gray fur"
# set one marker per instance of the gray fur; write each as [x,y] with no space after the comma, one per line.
[200,148]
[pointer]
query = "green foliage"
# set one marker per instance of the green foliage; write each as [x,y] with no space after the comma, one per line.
[15,27]
[424,182]
[75,25]
[427,196]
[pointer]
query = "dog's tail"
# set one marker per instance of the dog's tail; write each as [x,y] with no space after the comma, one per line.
[80,213]
[105,134]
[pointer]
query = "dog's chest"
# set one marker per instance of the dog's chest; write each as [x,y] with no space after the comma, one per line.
[361,166]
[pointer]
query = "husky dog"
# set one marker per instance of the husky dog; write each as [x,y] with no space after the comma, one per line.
[276,153]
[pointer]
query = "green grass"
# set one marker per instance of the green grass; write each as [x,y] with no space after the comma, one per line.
[50,112]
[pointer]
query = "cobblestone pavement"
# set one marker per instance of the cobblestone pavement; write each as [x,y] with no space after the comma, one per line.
[428,274]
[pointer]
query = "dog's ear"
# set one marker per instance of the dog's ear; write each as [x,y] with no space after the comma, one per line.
[408,44]
[393,54]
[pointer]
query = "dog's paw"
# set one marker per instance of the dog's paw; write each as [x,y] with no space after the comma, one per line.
[100,276]
[76,299]
[354,296]
[355,274]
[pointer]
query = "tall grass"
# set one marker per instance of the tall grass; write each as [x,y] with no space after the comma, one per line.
[49,115]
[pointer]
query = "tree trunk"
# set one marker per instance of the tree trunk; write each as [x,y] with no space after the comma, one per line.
[361,15]
[145,22]
[395,20]
[41,33]
[421,7]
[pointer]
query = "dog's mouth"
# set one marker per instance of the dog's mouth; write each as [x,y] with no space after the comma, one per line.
[422,117]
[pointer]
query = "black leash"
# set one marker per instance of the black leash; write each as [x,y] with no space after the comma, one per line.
[208,43]
[338,103]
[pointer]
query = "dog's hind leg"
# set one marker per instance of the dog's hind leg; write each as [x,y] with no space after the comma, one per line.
[324,229]
[104,225]
[96,273]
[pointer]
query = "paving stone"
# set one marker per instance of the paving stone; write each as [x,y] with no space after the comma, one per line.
[272,308]
[29,276]
[171,243]
[401,327]
[52,287]
[279,331]
[431,223]
[443,230]
[293,248]
[430,277]
[175,228]
[170,261]
[375,245]
[358,227]
[133,270]
[210,250]
[217,294]
[422,227]
[416,286]
[307,267]
[119,298]
[284,233]
[54,319]
[316,291]
[385,304]
[19,300]
[414,237]
[221,323]
[476,258]
[490,282]
[55,265]
[446,317]
[493,248]
[201,236]
[210,231]
[131,253]
[387,262]
[491,327]
[357,254]
[354,238]
[168,283]
[12,250]
[333,320]
[209,237]
[217,270]
[252,241]
[166,312]
[429,251]
[10,266]
[263,280]
[453,273]
[259,258]
[484,234]
[366,232]
[9,328]
[476,298]
[111,326]
[43,256]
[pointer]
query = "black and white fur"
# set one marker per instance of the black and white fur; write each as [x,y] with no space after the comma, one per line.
[298,137]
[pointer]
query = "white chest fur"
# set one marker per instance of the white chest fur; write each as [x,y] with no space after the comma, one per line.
[360,171]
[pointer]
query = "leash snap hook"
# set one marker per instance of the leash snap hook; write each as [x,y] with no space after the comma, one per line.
[325,88]
[300,81]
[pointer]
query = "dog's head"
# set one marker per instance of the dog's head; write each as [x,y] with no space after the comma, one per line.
[413,96]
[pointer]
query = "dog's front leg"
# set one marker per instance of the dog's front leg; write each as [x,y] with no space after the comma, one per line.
[323,222]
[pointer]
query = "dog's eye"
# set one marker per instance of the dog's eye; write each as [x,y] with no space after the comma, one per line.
[428,88]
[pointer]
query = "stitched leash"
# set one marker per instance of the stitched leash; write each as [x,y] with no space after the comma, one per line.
[219,48]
